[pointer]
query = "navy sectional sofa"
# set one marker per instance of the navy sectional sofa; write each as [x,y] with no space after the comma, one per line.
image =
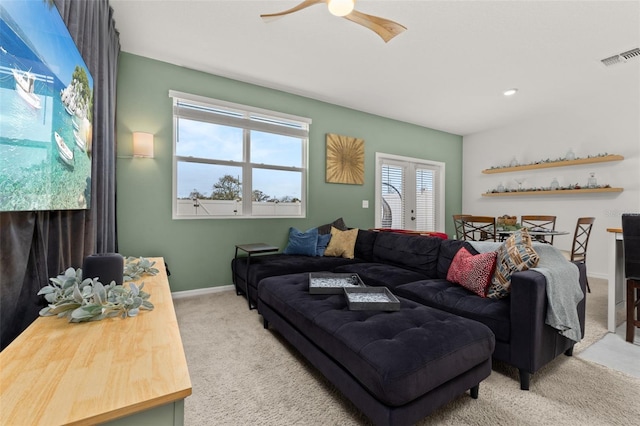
[415,268]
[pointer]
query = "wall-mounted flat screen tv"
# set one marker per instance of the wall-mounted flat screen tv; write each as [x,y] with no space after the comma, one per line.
[46,111]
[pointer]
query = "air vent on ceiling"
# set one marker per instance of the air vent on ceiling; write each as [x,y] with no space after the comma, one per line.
[621,57]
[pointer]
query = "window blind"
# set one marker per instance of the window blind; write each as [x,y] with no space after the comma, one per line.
[426,195]
[393,199]
[228,114]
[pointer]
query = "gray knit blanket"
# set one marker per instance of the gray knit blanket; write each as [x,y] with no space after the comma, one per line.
[563,287]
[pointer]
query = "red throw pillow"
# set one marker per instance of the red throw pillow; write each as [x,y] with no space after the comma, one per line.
[472,272]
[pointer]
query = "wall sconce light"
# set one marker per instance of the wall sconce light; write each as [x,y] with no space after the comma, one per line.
[142,145]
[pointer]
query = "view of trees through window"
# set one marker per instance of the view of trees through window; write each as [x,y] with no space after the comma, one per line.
[230,188]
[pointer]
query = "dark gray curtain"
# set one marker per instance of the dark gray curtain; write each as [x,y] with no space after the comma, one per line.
[37,245]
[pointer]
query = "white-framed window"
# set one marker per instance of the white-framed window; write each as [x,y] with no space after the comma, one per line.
[237,161]
[409,193]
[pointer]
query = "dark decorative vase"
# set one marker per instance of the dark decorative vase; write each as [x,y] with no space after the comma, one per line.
[105,266]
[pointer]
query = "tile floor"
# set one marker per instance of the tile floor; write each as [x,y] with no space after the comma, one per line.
[614,352]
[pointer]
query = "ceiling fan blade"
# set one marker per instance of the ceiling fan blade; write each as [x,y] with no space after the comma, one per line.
[385,28]
[306,3]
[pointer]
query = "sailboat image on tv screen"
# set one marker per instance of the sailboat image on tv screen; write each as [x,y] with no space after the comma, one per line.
[25,84]
[63,150]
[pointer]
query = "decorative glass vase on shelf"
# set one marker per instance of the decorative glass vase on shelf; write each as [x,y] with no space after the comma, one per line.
[592,182]
[570,155]
[554,184]
[513,162]
[500,187]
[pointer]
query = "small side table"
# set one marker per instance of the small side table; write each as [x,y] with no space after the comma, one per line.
[253,248]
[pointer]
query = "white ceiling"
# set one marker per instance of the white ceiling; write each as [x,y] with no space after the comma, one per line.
[446,72]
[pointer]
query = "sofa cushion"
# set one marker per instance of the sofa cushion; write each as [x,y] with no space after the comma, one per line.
[364,245]
[397,356]
[514,255]
[414,252]
[342,243]
[472,272]
[448,250]
[444,295]
[302,243]
[381,275]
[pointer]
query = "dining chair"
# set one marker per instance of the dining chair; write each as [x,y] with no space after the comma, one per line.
[479,228]
[544,222]
[459,225]
[631,242]
[580,240]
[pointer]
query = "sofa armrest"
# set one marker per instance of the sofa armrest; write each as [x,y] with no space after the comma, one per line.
[533,343]
[528,312]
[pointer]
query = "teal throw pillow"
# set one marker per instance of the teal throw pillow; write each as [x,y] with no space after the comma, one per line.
[302,243]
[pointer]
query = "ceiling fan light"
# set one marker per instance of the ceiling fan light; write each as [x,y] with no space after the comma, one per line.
[340,7]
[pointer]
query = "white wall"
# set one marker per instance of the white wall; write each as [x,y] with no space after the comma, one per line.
[612,125]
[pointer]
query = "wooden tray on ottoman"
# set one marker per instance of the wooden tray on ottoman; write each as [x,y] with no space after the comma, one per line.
[332,283]
[371,299]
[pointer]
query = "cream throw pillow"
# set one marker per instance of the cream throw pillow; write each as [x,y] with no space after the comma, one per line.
[342,243]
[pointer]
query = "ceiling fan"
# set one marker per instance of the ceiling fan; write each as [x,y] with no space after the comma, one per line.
[385,28]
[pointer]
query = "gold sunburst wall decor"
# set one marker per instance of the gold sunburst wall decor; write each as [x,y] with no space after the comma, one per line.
[345,159]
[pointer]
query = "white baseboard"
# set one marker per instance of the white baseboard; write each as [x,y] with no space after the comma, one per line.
[201,291]
[598,275]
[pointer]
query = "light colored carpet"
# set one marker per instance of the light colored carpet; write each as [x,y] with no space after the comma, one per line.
[243,374]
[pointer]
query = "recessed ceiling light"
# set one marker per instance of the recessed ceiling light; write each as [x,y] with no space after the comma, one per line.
[510,92]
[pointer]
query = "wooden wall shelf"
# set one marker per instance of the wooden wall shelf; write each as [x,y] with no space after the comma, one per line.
[563,163]
[552,192]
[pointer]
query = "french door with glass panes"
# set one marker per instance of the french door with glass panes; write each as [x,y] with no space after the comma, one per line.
[409,193]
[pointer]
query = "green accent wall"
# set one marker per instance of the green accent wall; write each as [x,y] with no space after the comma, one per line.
[199,252]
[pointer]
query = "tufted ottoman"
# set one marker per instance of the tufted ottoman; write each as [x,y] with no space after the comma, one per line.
[396,367]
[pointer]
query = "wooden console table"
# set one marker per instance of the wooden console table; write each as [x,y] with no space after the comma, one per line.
[123,371]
